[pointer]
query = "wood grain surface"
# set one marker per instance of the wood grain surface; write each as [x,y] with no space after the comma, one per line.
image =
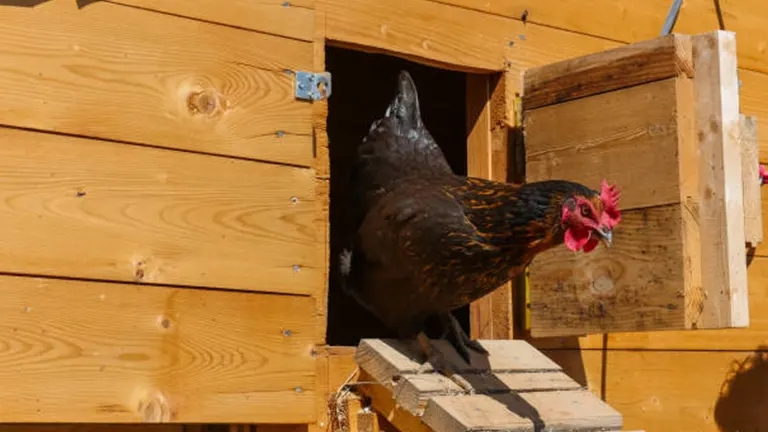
[76,351]
[635,285]
[294,19]
[625,66]
[630,21]
[580,141]
[98,210]
[127,74]
[448,36]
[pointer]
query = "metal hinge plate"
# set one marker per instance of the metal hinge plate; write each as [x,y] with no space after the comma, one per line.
[313,86]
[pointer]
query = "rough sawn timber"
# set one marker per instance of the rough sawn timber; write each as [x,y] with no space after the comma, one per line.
[516,388]
[637,284]
[76,351]
[750,172]
[721,196]
[625,66]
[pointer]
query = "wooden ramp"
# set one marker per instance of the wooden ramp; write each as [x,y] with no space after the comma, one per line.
[516,388]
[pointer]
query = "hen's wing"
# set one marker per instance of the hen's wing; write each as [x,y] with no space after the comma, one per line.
[414,228]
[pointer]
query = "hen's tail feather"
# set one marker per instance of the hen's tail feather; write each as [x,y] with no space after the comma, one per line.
[405,106]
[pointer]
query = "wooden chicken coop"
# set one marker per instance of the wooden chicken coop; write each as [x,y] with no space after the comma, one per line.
[173,174]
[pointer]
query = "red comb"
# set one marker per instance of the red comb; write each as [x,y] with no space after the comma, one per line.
[610,195]
[763,175]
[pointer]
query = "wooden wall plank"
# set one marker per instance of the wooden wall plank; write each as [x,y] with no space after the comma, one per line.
[674,391]
[154,215]
[294,19]
[583,366]
[721,196]
[590,341]
[491,317]
[449,36]
[725,339]
[79,351]
[629,21]
[127,74]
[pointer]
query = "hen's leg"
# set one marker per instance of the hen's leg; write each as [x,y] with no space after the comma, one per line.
[459,339]
[432,356]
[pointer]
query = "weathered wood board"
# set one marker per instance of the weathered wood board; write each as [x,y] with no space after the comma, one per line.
[679,244]
[127,74]
[513,389]
[750,172]
[721,196]
[83,208]
[77,351]
[626,66]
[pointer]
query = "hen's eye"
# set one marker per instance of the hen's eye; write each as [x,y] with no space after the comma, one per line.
[585,211]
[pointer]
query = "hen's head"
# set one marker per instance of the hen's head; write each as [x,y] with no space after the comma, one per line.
[589,219]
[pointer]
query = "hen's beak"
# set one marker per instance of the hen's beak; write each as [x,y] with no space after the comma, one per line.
[606,235]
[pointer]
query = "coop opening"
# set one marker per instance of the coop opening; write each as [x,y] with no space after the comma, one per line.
[363,86]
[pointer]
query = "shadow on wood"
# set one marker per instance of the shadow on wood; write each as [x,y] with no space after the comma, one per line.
[572,363]
[744,395]
[22,3]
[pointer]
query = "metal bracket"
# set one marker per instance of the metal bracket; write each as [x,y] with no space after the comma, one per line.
[313,86]
[669,23]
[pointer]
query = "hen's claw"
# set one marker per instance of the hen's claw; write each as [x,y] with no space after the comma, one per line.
[432,357]
[459,338]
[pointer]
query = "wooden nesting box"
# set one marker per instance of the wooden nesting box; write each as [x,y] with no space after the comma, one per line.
[661,119]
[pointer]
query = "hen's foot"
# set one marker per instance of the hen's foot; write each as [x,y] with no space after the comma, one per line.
[459,339]
[435,358]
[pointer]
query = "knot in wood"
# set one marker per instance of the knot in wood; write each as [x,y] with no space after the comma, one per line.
[156,409]
[203,102]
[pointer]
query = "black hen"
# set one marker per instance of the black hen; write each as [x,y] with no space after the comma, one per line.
[428,241]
